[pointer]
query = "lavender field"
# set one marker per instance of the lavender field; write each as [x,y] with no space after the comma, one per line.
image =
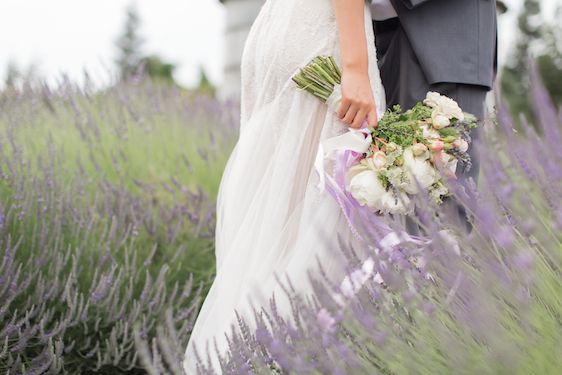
[107,222]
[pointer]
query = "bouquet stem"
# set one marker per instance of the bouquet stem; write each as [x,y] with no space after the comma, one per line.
[319,77]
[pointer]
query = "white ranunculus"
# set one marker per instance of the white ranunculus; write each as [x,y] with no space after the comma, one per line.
[419,172]
[439,120]
[444,105]
[393,204]
[430,133]
[367,189]
[420,149]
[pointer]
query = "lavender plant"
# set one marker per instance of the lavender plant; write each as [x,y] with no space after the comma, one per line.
[106,224]
[482,300]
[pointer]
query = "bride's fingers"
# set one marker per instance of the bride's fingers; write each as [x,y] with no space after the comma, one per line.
[373,118]
[344,107]
[350,115]
[359,119]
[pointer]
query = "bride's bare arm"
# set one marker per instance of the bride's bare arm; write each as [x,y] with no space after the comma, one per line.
[358,101]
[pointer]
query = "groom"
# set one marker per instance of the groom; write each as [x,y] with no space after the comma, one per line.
[447,46]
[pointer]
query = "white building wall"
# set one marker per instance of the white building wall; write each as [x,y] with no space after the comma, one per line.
[240,16]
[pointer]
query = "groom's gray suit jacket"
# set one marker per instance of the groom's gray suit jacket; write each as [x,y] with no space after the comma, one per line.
[454,40]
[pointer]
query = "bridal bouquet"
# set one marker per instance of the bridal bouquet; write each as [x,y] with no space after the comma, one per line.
[407,153]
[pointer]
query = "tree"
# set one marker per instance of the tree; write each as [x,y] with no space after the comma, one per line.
[550,63]
[157,69]
[205,85]
[130,44]
[515,78]
[13,75]
[540,41]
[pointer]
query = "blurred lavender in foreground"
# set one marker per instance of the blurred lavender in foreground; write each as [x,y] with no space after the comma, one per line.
[487,302]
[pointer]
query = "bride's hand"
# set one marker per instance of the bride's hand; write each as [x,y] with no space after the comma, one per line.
[358,102]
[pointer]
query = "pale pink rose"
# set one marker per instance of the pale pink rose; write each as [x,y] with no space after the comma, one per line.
[437,146]
[461,145]
[377,161]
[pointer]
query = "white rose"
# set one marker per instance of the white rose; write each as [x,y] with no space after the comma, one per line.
[419,172]
[444,106]
[432,99]
[367,189]
[430,133]
[439,120]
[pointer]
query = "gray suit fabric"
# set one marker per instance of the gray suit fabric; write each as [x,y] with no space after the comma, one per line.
[453,40]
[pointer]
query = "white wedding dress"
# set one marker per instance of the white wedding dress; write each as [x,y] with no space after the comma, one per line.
[272,218]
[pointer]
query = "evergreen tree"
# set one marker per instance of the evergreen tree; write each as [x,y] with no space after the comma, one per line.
[205,85]
[540,41]
[158,69]
[515,77]
[13,74]
[130,44]
[550,63]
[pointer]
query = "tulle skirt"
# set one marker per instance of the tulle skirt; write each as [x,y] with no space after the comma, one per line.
[272,217]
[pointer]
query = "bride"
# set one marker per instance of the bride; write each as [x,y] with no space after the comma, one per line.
[272,218]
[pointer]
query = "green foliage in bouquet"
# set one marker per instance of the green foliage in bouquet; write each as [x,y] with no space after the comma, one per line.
[402,128]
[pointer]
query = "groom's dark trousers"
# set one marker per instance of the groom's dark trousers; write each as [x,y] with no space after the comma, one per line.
[447,46]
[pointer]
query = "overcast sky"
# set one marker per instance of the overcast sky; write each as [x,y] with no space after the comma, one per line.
[71,35]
